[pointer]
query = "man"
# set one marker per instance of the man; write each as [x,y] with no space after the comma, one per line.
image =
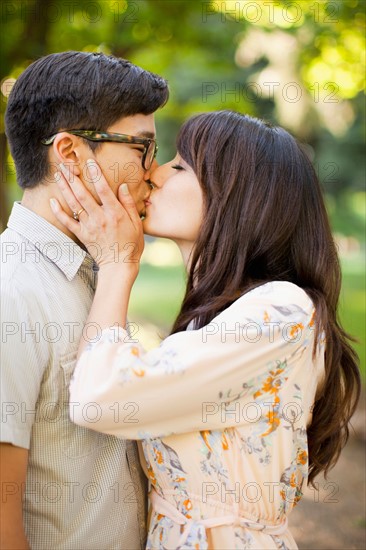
[66,487]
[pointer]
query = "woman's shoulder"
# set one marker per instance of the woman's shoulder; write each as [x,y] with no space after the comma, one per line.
[279,291]
[284,297]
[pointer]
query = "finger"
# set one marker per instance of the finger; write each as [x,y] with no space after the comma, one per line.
[105,193]
[128,203]
[67,192]
[80,193]
[66,220]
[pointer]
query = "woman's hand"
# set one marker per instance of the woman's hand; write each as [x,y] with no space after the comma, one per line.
[112,232]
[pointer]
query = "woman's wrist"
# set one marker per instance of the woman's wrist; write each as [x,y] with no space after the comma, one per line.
[127,268]
[118,273]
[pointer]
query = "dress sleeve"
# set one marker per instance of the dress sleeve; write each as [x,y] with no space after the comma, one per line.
[198,379]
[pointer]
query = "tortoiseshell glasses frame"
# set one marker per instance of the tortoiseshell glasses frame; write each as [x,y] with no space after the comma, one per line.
[150,145]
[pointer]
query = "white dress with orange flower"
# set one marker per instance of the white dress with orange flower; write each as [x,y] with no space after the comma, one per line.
[222,415]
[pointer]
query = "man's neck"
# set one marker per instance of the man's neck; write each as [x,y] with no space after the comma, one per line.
[37,200]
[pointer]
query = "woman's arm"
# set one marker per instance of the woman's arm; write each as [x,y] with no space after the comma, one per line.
[207,379]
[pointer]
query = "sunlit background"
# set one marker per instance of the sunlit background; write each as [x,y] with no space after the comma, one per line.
[299,64]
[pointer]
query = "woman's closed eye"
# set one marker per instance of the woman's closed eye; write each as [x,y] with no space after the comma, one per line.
[177,167]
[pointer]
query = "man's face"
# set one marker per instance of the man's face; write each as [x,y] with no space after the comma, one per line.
[122,162]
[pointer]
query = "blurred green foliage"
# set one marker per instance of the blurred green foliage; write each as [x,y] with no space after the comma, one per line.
[300,64]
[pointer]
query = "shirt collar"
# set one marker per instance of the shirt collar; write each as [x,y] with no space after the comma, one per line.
[50,241]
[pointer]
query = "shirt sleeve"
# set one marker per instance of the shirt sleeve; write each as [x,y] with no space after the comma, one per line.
[23,356]
[196,379]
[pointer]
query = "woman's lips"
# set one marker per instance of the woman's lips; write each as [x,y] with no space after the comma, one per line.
[147,203]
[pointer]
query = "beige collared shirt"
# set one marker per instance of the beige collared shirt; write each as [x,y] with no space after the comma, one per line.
[84,490]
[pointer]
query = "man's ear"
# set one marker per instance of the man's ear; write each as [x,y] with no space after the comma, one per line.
[67,149]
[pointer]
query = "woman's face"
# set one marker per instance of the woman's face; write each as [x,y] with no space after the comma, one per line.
[175,207]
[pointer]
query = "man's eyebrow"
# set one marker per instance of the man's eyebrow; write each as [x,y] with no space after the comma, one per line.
[145,133]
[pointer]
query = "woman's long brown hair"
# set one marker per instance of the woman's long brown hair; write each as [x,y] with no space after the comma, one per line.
[265,220]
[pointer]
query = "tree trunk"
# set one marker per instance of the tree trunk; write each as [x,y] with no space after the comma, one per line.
[31,45]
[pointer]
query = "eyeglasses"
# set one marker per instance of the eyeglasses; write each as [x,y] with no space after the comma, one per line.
[150,145]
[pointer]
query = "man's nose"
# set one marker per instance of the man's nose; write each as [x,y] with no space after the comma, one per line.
[153,167]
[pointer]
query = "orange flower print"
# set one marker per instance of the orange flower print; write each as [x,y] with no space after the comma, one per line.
[151,475]
[272,384]
[159,457]
[273,421]
[187,504]
[295,328]
[205,434]
[293,480]
[312,320]
[138,372]
[302,457]
[224,442]
[188,507]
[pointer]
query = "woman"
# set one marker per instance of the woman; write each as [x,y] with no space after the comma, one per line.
[241,403]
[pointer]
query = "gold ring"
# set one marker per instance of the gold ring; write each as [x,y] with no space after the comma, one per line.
[76,215]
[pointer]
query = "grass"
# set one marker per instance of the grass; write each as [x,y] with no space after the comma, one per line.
[157,295]
[352,307]
[158,292]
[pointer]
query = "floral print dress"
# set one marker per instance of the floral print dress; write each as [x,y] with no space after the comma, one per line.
[222,415]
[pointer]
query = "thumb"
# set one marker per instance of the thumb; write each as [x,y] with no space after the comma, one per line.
[123,191]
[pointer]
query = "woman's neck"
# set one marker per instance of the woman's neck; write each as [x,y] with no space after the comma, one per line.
[186,250]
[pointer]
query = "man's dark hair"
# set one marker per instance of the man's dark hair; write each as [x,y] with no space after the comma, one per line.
[73,90]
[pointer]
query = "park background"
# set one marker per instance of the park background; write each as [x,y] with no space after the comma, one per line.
[299,64]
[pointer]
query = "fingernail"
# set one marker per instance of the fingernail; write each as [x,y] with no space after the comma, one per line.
[91,162]
[57,175]
[62,166]
[53,204]
[124,189]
